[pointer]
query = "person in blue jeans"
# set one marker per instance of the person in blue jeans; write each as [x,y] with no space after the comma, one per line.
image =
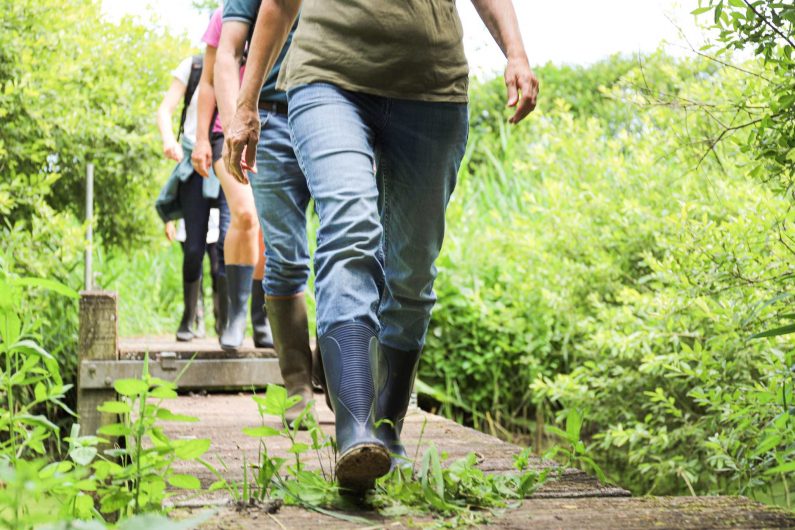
[281,198]
[377,94]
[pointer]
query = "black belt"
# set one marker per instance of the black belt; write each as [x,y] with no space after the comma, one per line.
[273,106]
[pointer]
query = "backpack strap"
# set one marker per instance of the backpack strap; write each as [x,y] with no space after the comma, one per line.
[197,62]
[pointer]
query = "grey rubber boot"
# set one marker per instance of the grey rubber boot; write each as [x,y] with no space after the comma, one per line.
[190,297]
[349,352]
[259,317]
[396,372]
[238,285]
[291,338]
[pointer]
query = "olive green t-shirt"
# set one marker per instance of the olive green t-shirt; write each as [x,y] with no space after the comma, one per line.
[407,49]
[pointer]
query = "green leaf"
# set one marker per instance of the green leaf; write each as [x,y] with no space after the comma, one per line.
[83,456]
[783,330]
[115,429]
[185,482]
[162,392]
[130,387]
[767,444]
[573,425]
[115,407]
[191,449]
[32,348]
[275,400]
[787,467]
[298,448]
[40,392]
[50,285]
[167,415]
[261,431]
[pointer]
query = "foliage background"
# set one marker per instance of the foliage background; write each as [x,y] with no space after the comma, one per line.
[74,89]
[608,256]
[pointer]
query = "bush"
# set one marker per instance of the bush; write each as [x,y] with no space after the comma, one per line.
[590,267]
[75,88]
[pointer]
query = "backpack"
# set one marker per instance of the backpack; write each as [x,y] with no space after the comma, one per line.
[197,62]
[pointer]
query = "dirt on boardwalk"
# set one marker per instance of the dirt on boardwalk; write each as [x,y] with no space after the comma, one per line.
[575,500]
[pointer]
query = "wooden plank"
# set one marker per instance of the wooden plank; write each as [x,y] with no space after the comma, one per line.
[231,446]
[212,374]
[136,348]
[643,513]
[688,513]
[99,336]
[572,501]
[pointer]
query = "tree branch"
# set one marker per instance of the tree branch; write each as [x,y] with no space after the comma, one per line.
[768,23]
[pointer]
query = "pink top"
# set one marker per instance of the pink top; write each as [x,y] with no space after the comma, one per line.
[212,37]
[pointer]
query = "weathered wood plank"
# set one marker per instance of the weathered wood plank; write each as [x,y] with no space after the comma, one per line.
[572,501]
[136,348]
[646,512]
[642,513]
[222,418]
[99,337]
[212,374]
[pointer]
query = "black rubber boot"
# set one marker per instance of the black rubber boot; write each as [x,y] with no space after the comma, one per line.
[396,372]
[220,304]
[190,296]
[259,317]
[200,330]
[349,354]
[238,285]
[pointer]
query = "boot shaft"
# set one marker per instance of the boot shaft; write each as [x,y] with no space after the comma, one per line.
[397,370]
[288,320]
[348,353]
[238,285]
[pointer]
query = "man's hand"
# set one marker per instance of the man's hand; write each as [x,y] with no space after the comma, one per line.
[202,157]
[173,150]
[240,145]
[522,86]
[171,231]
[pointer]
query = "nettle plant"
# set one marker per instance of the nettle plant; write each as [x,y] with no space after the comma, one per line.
[459,493]
[136,474]
[91,482]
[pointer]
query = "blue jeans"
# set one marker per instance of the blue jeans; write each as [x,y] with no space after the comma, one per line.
[381,171]
[281,196]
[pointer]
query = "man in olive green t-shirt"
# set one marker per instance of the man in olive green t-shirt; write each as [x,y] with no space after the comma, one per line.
[377,93]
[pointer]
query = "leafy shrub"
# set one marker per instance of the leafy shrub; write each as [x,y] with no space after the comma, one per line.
[75,88]
[593,264]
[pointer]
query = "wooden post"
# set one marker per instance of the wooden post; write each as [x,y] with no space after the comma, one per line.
[99,340]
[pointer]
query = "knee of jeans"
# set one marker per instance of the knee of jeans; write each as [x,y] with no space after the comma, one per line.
[285,279]
[246,220]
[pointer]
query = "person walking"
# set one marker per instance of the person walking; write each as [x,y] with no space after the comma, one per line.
[377,95]
[281,197]
[242,248]
[188,197]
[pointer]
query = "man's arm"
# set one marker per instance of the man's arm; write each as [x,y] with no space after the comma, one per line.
[500,17]
[202,156]
[273,25]
[227,68]
[175,94]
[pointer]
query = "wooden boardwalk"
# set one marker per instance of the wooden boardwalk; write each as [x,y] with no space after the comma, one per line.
[571,500]
[574,501]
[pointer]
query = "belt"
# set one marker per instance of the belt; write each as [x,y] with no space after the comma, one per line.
[273,106]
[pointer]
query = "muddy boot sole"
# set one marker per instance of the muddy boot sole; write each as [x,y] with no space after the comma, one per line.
[360,466]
